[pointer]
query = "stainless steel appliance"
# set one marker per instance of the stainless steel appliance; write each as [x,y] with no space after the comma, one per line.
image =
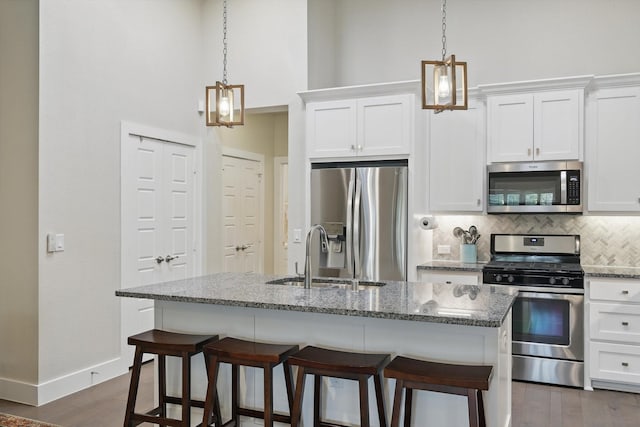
[548,314]
[363,207]
[537,187]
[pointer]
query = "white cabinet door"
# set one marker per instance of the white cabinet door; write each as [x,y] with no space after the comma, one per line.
[613,150]
[510,129]
[384,125]
[536,126]
[557,118]
[331,128]
[456,159]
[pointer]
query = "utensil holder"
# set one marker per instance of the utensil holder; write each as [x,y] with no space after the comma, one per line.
[468,253]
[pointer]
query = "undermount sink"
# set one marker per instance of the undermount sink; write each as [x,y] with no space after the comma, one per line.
[327,283]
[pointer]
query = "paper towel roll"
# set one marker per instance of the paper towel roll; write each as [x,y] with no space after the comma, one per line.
[427,222]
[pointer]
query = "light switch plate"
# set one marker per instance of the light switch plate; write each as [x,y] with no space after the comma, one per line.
[59,242]
[297,235]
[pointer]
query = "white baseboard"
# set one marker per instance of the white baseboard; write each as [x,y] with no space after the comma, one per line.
[40,394]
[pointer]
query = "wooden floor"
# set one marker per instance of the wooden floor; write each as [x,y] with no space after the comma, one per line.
[534,405]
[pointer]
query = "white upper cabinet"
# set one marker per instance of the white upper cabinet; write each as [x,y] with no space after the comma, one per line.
[456,160]
[373,126]
[613,146]
[536,126]
[536,120]
[331,128]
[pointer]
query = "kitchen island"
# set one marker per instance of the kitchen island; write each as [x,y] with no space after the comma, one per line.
[440,322]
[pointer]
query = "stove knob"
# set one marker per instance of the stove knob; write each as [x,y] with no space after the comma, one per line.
[498,277]
[552,280]
[510,279]
[565,281]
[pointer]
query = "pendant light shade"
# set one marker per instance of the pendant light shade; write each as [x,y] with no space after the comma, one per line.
[444,85]
[225,102]
[444,82]
[225,105]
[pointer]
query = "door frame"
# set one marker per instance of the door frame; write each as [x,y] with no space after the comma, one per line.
[254,157]
[278,185]
[128,129]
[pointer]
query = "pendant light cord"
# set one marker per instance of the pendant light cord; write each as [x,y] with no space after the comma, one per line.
[224,43]
[444,29]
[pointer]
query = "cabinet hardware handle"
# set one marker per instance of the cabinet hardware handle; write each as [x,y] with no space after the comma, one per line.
[625,323]
[159,259]
[448,282]
[478,202]
[359,147]
[353,147]
[529,152]
[625,364]
[168,258]
[537,151]
[625,292]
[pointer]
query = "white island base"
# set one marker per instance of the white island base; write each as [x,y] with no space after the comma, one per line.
[424,340]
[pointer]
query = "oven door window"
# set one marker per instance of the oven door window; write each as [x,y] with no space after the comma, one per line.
[544,321]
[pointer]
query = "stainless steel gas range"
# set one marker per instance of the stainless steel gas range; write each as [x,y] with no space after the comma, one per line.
[548,314]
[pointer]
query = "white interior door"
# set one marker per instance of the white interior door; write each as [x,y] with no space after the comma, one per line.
[158,226]
[242,214]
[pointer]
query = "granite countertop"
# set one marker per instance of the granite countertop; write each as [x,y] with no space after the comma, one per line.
[452,266]
[611,271]
[484,306]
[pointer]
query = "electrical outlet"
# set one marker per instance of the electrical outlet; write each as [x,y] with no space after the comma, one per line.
[444,249]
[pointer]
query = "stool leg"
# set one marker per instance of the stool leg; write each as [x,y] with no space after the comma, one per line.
[364,400]
[483,420]
[268,394]
[382,415]
[397,400]
[472,399]
[289,383]
[212,393]
[133,387]
[235,390]
[186,389]
[162,386]
[297,400]
[317,399]
[408,406]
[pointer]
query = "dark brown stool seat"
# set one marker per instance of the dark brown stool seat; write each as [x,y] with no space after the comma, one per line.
[164,344]
[448,378]
[338,364]
[239,352]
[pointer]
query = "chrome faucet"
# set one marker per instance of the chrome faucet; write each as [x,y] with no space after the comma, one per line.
[307,259]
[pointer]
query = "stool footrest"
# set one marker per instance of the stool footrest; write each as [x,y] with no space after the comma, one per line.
[281,418]
[177,401]
[144,418]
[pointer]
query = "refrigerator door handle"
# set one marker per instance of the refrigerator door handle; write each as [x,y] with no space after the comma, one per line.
[356,229]
[352,181]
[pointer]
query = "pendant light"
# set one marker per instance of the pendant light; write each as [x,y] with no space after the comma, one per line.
[225,102]
[444,83]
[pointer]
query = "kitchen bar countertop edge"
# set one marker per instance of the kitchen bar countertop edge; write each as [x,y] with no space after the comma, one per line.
[452,265]
[481,306]
[610,271]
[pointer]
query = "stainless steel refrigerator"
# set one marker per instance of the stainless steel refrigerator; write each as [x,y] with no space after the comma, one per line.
[363,207]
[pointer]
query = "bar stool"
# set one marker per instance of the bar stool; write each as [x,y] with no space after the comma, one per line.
[238,353]
[162,344]
[338,364]
[463,380]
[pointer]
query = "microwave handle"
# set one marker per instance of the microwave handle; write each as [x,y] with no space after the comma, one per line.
[563,187]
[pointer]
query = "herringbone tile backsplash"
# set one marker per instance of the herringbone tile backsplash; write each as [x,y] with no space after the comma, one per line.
[605,240]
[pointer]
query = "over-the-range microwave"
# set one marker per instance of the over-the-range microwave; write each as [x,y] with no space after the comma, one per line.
[535,187]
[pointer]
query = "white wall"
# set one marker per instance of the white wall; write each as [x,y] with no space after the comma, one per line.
[267,44]
[18,193]
[502,40]
[100,62]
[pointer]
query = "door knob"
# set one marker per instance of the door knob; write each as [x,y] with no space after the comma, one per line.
[169,258]
[159,259]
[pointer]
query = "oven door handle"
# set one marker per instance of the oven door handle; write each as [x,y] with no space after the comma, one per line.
[549,290]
